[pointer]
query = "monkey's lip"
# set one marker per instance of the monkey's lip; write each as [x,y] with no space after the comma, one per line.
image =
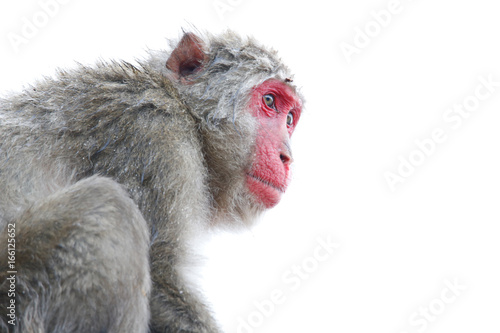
[280,189]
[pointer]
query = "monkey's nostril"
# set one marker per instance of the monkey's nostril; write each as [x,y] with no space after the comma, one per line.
[286,159]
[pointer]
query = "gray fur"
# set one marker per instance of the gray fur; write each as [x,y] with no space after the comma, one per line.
[108,170]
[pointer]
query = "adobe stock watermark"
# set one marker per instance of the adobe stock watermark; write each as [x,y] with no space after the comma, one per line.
[420,320]
[292,278]
[33,24]
[453,117]
[380,19]
[11,274]
[222,7]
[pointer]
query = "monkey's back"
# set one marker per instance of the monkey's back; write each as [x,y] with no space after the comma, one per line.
[91,121]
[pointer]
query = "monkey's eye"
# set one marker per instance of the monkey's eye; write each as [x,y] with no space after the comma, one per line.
[289,119]
[269,100]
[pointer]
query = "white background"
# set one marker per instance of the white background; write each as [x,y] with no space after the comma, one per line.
[397,248]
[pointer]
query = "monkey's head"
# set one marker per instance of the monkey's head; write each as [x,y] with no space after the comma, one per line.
[247,110]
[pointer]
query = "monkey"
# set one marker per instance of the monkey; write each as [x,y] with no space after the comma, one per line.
[109,171]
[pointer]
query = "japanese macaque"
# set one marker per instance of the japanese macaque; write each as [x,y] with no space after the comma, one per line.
[107,172]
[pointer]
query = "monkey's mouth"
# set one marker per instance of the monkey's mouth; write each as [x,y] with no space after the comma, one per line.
[280,189]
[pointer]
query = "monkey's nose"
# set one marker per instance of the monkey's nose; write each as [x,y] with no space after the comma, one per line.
[286,158]
[286,152]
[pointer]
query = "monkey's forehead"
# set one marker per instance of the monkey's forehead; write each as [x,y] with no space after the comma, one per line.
[231,46]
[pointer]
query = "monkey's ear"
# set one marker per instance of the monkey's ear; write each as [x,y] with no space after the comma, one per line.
[187,57]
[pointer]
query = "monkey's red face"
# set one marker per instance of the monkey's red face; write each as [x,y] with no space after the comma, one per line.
[277,109]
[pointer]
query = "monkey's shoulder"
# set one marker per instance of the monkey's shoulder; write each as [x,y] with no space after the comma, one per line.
[106,90]
[118,79]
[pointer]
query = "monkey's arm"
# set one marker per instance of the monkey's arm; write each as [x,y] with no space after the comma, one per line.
[174,308]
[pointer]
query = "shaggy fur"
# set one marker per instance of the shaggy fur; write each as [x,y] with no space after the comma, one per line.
[106,171]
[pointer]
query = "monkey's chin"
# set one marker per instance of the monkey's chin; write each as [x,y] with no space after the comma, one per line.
[265,193]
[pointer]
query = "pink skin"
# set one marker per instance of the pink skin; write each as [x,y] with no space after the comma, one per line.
[269,175]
